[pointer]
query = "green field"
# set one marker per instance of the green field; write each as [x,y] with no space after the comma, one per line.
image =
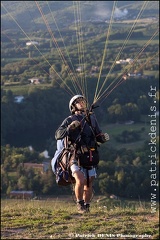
[23,89]
[115,129]
[57,218]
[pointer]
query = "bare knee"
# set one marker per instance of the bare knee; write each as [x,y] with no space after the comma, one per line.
[91,179]
[79,177]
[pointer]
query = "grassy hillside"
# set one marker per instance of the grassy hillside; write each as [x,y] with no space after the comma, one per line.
[58,219]
[27,13]
[114,129]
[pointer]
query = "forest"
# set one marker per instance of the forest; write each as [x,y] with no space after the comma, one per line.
[125,166]
[123,172]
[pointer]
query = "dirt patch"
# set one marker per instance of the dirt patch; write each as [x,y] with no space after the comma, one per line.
[8,232]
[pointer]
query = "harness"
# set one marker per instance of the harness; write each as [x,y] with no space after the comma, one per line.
[63,172]
[85,153]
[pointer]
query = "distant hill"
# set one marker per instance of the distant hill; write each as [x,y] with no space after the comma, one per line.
[64,13]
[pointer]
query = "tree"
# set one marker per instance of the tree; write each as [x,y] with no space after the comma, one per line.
[47,182]
[131,190]
[4,180]
[120,176]
[116,113]
[104,183]
[132,112]
[9,189]
[143,104]
[23,183]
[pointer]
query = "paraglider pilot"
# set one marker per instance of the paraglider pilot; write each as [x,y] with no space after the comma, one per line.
[84,134]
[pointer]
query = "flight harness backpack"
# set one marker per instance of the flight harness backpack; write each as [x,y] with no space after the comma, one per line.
[87,158]
[63,173]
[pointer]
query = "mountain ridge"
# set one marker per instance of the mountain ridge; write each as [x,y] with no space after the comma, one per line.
[64,13]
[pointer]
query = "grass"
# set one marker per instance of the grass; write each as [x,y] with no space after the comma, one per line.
[140,42]
[115,129]
[150,73]
[23,89]
[57,218]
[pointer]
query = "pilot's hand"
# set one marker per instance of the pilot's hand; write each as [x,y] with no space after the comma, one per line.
[105,137]
[75,124]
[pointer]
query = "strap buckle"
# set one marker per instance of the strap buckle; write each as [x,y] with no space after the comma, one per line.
[92,149]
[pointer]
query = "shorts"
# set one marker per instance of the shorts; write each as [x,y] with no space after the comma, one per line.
[91,172]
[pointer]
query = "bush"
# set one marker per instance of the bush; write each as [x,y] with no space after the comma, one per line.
[128,136]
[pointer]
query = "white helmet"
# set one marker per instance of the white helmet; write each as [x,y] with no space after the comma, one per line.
[71,102]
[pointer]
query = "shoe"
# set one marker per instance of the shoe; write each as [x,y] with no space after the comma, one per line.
[87,207]
[80,206]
